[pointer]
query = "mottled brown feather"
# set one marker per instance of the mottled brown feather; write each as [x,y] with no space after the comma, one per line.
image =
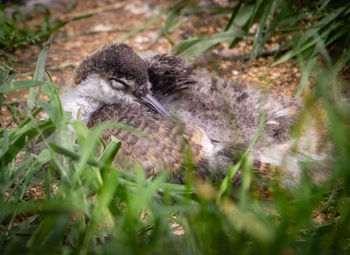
[161,144]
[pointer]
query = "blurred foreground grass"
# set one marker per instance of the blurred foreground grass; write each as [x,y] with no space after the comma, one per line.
[88,206]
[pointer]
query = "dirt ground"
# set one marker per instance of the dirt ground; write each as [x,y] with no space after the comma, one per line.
[111,20]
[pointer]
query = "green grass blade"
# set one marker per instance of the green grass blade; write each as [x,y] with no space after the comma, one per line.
[10,86]
[38,75]
[111,151]
[254,16]
[164,29]
[21,140]
[4,72]
[225,184]
[81,131]
[4,142]
[306,74]
[25,122]
[268,11]
[244,15]
[196,46]
[73,155]
[233,15]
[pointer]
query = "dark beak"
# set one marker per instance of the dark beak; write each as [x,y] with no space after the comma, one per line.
[155,105]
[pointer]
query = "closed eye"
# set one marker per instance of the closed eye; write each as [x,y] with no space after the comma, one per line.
[118,83]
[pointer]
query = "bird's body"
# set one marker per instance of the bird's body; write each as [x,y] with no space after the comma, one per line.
[209,115]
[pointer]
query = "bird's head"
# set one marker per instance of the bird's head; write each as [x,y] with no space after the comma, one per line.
[115,73]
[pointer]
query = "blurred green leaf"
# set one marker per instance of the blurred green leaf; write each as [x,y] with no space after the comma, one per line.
[38,75]
[21,85]
[195,47]
[20,140]
[306,74]
[225,184]
[111,151]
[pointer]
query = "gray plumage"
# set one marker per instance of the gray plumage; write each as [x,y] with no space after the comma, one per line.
[219,116]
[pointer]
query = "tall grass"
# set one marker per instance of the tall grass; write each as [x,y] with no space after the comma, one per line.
[86,205]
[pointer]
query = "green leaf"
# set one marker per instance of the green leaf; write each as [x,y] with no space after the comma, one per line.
[92,162]
[196,46]
[4,142]
[4,72]
[87,147]
[225,184]
[243,15]
[10,86]
[268,11]
[111,151]
[306,74]
[38,75]
[235,10]
[20,140]
[81,131]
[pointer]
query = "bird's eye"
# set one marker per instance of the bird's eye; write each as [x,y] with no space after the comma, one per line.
[118,83]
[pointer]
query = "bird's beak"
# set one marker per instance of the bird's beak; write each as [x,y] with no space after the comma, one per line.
[155,105]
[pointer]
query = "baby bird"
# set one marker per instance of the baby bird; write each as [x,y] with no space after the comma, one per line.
[213,117]
[112,85]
